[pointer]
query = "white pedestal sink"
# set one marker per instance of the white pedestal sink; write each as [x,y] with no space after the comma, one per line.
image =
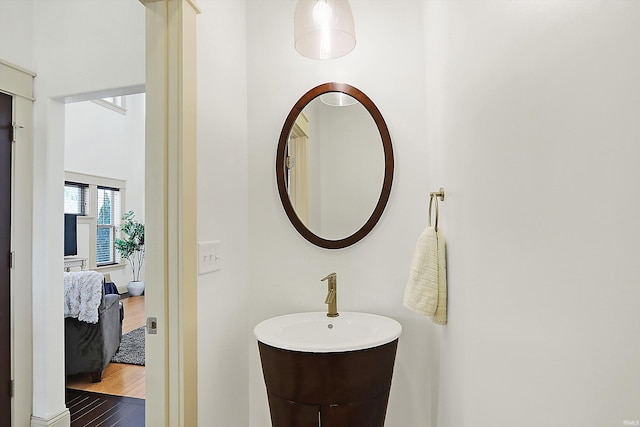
[315,332]
[331,370]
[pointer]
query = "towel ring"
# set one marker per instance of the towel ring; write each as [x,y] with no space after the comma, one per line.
[435,195]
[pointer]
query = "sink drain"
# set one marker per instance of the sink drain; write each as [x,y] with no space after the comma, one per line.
[330,326]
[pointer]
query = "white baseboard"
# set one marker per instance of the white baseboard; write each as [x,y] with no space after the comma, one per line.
[63,419]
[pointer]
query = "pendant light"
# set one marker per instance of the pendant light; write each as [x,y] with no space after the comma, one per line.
[323,29]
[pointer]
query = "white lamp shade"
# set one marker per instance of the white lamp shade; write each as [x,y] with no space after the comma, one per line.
[323,29]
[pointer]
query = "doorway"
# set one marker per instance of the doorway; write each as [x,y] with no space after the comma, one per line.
[6,131]
[111,184]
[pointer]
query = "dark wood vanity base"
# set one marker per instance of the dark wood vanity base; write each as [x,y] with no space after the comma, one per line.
[344,389]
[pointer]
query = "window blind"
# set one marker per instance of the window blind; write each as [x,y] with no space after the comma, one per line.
[76,198]
[108,204]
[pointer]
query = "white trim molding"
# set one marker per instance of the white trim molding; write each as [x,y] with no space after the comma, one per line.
[170,213]
[63,419]
[16,80]
[118,108]
[18,83]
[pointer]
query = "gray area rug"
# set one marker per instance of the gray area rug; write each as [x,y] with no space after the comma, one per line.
[131,348]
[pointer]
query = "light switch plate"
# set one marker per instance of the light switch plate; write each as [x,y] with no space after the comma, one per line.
[208,256]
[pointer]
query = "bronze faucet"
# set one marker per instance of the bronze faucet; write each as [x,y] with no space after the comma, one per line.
[332,296]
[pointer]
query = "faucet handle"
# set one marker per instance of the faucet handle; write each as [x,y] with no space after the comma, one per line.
[331,277]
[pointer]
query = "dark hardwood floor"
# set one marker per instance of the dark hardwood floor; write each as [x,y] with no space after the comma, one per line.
[89,409]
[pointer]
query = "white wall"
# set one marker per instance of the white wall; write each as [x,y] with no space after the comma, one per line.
[103,142]
[88,46]
[533,113]
[223,213]
[17,32]
[285,270]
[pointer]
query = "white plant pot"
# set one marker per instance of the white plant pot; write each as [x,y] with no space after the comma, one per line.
[135,288]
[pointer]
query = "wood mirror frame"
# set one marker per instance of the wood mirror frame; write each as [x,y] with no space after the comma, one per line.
[281,171]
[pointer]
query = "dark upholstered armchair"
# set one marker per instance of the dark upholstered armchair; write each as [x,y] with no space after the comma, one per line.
[89,347]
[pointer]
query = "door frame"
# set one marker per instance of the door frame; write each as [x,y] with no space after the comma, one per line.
[18,83]
[171,216]
[170,212]
[5,328]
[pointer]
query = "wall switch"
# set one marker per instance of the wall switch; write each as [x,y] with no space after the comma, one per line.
[208,256]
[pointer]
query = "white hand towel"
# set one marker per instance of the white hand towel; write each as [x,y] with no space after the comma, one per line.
[426,290]
[440,317]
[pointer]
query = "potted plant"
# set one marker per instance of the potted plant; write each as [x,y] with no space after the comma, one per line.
[131,247]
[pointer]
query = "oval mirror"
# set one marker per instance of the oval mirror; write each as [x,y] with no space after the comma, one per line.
[334,165]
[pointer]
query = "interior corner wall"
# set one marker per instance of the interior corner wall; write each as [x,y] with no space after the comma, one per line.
[533,112]
[223,212]
[284,269]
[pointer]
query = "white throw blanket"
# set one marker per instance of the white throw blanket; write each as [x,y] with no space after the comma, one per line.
[82,295]
[426,290]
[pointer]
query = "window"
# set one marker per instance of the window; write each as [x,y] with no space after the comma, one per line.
[108,220]
[99,203]
[115,103]
[75,198]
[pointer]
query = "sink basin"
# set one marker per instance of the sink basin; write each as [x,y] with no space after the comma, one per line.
[316,333]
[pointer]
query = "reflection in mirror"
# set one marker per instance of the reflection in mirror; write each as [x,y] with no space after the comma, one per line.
[334,165]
